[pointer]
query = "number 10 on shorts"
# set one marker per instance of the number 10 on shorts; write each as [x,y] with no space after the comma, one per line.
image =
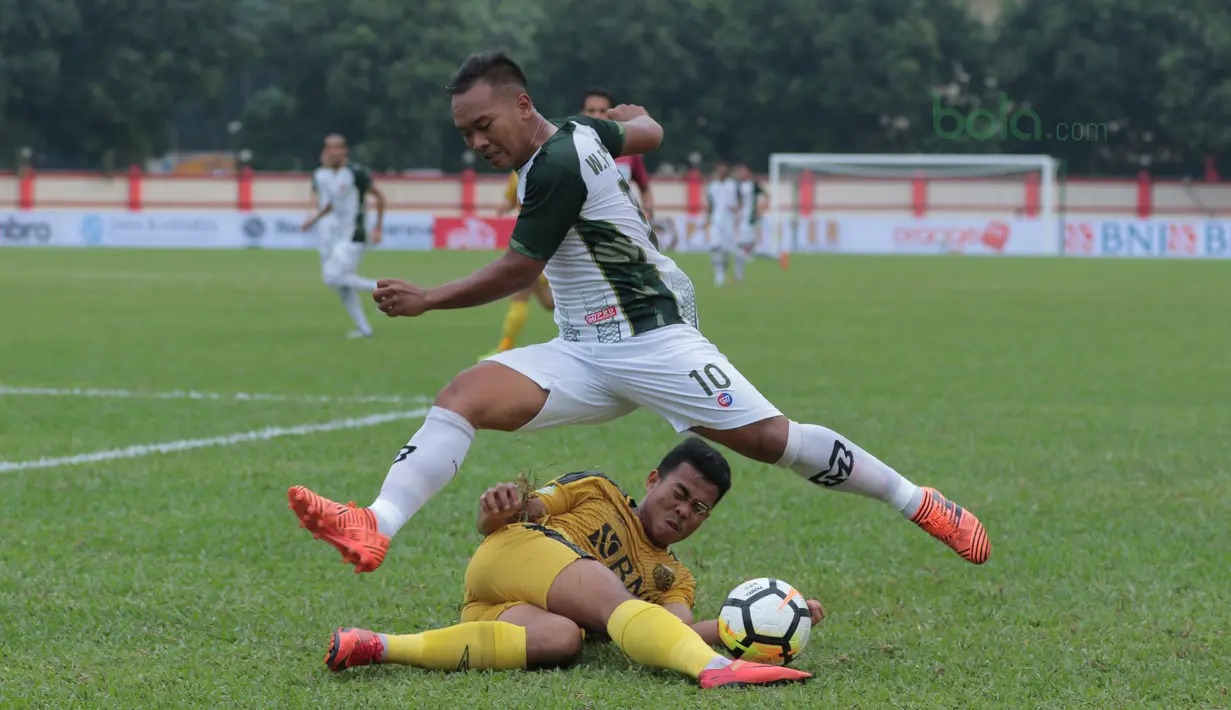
[716,377]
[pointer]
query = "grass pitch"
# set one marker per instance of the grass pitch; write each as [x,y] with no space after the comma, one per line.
[1080,408]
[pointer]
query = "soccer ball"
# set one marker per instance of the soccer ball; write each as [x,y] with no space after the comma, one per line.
[765,621]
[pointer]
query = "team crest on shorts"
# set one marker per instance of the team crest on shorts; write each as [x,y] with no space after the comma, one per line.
[725,399]
[664,577]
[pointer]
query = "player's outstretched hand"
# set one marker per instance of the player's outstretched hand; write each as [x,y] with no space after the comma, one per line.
[818,613]
[501,501]
[626,112]
[400,298]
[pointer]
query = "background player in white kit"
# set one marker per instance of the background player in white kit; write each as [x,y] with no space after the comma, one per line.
[628,339]
[340,189]
[753,201]
[721,216]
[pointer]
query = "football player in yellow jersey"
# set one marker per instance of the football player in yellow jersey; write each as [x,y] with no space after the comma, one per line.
[519,303]
[579,554]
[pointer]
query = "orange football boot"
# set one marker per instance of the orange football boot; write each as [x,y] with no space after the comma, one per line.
[741,674]
[953,525]
[353,647]
[351,530]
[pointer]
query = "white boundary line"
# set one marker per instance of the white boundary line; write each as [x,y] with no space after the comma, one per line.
[265,434]
[213,396]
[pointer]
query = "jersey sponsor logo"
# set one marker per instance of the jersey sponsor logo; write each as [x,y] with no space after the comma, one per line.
[546,490]
[725,400]
[608,546]
[601,315]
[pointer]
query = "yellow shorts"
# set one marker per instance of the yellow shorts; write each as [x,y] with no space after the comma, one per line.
[515,565]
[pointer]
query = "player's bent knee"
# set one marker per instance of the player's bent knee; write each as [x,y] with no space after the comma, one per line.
[587,593]
[492,396]
[552,641]
[763,441]
[555,642]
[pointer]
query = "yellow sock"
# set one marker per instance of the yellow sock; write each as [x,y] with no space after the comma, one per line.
[514,323]
[476,645]
[653,636]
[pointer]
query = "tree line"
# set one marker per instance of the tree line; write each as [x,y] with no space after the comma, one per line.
[1112,85]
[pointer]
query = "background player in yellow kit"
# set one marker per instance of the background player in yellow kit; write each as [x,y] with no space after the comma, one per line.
[580,554]
[519,303]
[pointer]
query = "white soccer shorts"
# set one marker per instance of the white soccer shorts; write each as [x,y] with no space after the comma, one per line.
[339,259]
[722,236]
[674,372]
[748,236]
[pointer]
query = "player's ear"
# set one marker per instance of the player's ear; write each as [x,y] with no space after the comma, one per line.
[651,481]
[525,107]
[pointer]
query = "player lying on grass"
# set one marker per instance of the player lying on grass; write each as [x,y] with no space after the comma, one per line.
[580,554]
[629,334]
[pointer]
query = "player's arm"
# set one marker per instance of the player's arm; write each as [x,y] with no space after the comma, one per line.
[553,199]
[318,212]
[707,630]
[511,273]
[381,203]
[627,130]
[367,186]
[762,198]
[642,134]
[502,504]
[679,601]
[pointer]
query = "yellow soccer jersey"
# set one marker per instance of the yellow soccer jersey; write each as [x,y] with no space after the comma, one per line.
[602,520]
[510,192]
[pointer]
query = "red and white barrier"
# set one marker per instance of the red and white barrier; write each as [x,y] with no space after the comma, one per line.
[1097,236]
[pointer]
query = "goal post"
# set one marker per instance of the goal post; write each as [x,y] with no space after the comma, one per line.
[914,204]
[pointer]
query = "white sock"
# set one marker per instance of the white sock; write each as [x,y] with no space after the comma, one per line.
[828,459]
[741,258]
[422,468]
[717,662]
[720,267]
[350,299]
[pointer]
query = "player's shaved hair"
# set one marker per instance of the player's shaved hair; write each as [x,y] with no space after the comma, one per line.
[493,67]
[708,461]
[335,137]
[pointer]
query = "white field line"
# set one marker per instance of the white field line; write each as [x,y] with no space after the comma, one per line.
[131,452]
[213,396]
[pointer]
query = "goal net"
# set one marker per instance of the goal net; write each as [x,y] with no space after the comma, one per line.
[913,204]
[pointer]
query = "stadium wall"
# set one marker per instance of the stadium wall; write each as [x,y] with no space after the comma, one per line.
[866,215]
